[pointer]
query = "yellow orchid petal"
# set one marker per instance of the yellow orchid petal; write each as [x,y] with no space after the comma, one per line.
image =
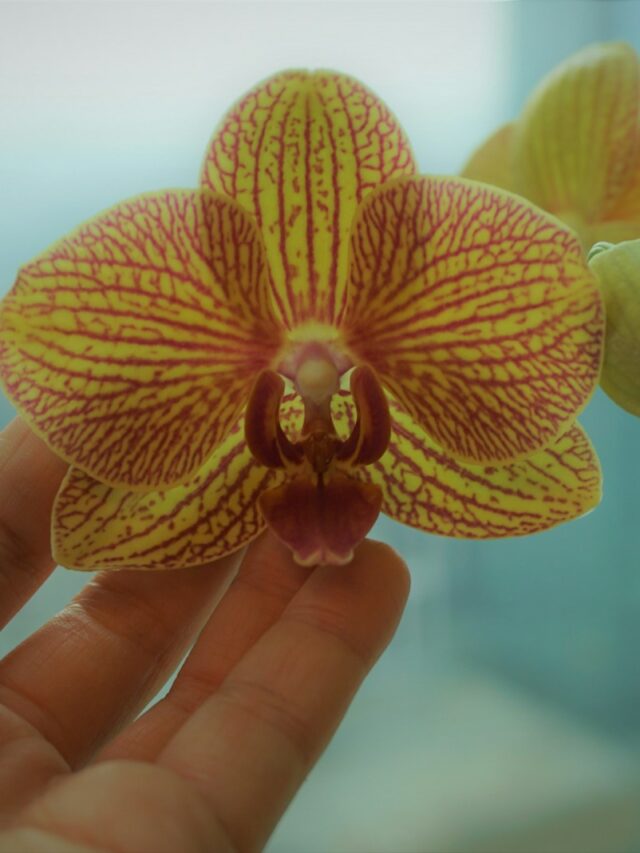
[131,345]
[215,513]
[618,270]
[425,488]
[491,162]
[299,152]
[477,312]
[577,140]
[623,219]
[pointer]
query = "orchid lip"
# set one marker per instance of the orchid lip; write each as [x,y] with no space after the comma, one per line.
[324,508]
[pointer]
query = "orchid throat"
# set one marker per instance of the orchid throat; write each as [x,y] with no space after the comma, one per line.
[325,507]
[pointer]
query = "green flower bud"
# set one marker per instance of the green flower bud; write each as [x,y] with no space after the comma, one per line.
[617,268]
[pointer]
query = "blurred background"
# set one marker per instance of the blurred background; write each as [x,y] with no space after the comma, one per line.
[506,714]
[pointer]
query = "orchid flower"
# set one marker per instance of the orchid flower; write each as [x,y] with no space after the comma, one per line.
[575,151]
[313,336]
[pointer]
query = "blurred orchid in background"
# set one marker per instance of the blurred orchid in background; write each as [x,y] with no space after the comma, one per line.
[189,351]
[575,151]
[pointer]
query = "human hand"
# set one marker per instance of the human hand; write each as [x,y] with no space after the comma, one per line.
[213,765]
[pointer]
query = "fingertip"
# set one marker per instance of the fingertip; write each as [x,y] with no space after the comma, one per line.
[387,576]
[373,551]
[268,561]
[24,453]
[376,583]
[361,602]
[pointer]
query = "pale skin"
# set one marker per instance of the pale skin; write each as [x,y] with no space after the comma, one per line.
[280,652]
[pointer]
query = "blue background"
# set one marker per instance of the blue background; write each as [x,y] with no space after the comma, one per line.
[506,713]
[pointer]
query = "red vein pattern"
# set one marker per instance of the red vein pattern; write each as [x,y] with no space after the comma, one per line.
[425,488]
[215,513]
[131,345]
[477,312]
[300,151]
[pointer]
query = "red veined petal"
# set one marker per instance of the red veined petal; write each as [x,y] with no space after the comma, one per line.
[216,512]
[425,488]
[477,311]
[299,152]
[131,345]
[321,523]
